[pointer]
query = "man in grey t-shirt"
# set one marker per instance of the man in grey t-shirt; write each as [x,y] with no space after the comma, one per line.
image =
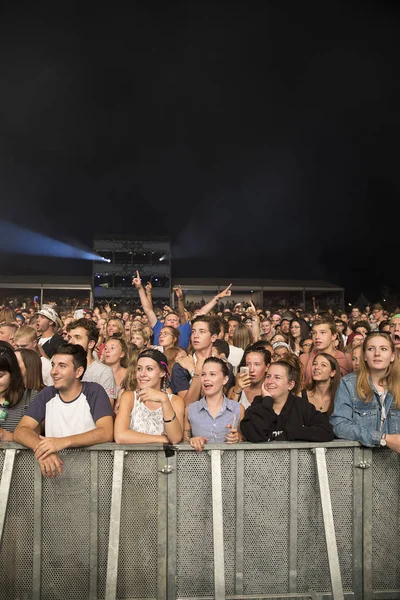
[85,333]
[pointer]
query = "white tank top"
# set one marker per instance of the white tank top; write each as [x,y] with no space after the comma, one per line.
[144,420]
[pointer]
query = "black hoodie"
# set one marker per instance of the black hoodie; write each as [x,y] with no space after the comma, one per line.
[298,420]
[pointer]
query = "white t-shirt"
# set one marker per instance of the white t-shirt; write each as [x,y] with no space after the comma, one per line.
[235,355]
[46,368]
[70,418]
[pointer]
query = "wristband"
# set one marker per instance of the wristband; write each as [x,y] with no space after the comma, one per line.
[170,420]
[237,393]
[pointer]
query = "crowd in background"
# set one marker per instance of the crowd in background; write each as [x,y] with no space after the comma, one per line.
[221,373]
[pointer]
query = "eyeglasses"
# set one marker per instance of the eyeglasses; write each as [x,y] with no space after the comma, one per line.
[306,345]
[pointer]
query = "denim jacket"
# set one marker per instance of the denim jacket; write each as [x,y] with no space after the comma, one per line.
[354,419]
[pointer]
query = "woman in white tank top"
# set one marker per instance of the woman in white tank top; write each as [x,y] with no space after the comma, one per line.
[149,415]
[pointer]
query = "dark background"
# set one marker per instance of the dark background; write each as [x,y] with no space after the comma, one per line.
[262,139]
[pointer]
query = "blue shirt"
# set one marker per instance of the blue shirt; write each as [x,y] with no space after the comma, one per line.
[184,338]
[360,421]
[214,429]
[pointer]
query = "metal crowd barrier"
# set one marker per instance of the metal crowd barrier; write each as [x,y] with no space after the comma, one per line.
[252,521]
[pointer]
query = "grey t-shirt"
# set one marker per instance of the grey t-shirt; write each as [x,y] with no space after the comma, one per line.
[103,375]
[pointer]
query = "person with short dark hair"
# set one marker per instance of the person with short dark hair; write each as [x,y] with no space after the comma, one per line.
[74,413]
[377,312]
[86,334]
[384,325]
[324,333]
[185,379]
[248,384]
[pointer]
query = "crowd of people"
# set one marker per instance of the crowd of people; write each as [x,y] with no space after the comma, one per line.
[159,375]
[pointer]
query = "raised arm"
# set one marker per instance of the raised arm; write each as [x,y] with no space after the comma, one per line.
[255,322]
[210,305]
[181,304]
[145,302]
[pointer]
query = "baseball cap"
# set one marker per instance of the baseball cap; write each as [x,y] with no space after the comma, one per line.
[48,312]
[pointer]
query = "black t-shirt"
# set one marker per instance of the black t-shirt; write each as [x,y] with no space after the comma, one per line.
[51,346]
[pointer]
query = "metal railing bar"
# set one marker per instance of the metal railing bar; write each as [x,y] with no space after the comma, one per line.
[357,523]
[162,526]
[293,490]
[239,522]
[218,525]
[37,532]
[115,524]
[172,524]
[186,447]
[94,525]
[5,485]
[367,527]
[329,527]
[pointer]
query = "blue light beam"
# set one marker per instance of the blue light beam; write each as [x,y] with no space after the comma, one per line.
[18,240]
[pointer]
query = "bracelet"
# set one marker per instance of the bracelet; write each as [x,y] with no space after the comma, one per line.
[170,420]
[237,393]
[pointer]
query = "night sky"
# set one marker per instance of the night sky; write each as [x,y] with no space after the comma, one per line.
[262,139]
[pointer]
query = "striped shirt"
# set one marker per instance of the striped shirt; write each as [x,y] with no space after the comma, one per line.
[16,412]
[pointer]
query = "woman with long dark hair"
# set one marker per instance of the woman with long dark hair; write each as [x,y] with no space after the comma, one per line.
[31,368]
[325,379]
[14,396]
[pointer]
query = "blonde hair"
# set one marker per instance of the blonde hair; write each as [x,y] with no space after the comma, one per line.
[25,331]
[390,379]
[120,327]
[171,354]
[129,383]
[241,337]
[7,316]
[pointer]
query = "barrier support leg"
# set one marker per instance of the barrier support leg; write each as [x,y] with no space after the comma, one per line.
[218,525]
[115,524]
[5,485]
[329,527]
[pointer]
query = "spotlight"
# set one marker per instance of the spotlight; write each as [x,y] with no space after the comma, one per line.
[163,257]
[106,259]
